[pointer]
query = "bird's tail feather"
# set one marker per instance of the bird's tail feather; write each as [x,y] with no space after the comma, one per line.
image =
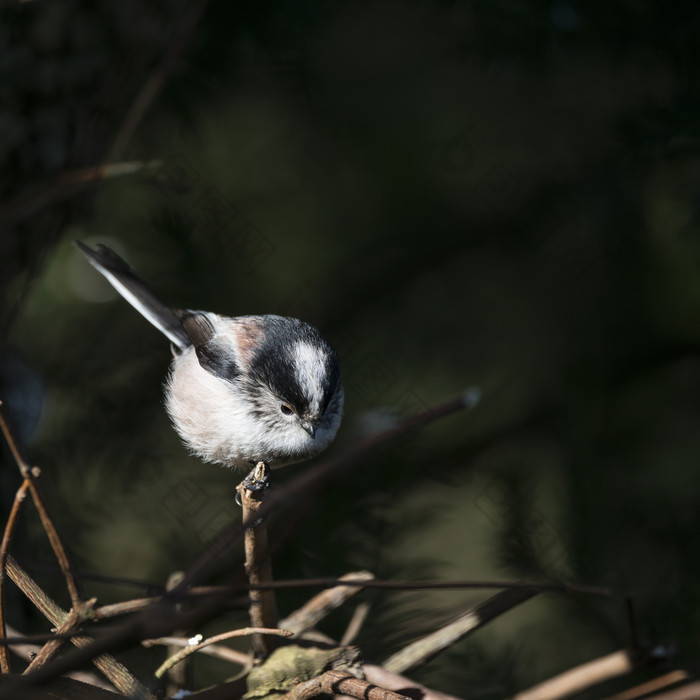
[125,280]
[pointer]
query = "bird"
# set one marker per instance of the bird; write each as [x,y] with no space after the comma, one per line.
[240,390]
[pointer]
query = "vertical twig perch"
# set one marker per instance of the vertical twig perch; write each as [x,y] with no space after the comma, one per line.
[263,607]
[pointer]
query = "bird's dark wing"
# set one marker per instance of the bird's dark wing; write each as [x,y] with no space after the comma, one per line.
[214,353]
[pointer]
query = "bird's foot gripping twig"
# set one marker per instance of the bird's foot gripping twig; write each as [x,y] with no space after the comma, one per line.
[257,480]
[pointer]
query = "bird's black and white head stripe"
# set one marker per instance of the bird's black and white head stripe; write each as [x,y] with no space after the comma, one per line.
[296,362]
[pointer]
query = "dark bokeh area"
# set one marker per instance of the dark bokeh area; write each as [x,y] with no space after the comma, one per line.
[493,194]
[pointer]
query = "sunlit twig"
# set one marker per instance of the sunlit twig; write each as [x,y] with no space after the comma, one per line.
[424,649]
[652,686]
[314,610]
[220,652]
[580,678]
[246,631]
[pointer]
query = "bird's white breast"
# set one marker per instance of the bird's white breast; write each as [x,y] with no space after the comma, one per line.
[216,421]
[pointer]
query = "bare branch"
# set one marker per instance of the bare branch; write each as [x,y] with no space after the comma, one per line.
[340,682]
[46,606]
[138,604]
[12,444]
[220,652]
[691,691]
[580,678]
[190,649]
[7,535]
[258,566]
[538,586]
[394,681]
[124,608]
[312,612]
[31,476]
[71,624]
[652,686]
[26,649]
[56,544]
[424,649]
[355,625]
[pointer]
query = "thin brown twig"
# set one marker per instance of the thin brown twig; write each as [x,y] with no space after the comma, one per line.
[31,476]
[56,544]
[246,631]
[138,604]
[690,691]
[124,608]
[541,586]
[652,686]
[580,678]
[424,649]
[71,624]
[258,566]
[394,681]
[314,610]
[26,648]
[340,682]
[12,444]
[45,605]
[355,625]
[7,535]
[220,652]
[35,639]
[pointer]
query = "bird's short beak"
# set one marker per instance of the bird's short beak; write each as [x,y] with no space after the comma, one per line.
[310,428]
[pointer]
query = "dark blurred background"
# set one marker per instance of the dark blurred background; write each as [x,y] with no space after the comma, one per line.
[494,194]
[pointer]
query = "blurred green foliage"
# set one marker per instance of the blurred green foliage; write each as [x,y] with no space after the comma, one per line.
[501,194]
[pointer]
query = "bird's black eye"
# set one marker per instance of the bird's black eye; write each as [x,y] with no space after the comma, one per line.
[286,409]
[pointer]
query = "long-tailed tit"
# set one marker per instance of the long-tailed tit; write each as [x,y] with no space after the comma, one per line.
[241,390]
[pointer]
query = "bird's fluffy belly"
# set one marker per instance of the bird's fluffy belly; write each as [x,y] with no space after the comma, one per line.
[215,421]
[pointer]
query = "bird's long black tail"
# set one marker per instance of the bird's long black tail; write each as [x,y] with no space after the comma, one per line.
[125,280]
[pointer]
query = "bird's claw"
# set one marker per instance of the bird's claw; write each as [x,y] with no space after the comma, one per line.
[257,480]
